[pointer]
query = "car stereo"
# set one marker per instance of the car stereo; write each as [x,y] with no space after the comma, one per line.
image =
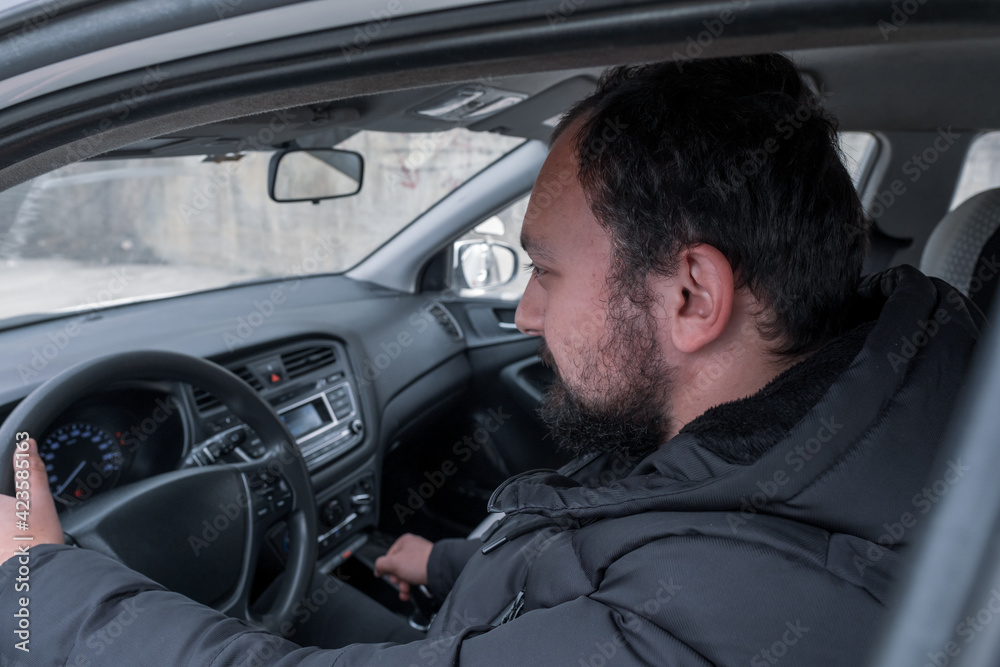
[325,424]
[323,417]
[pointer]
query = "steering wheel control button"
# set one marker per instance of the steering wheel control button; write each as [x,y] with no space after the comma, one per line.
[270,494]
[235,439]
[256,448]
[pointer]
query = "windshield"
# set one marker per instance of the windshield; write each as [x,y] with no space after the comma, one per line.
[94,233]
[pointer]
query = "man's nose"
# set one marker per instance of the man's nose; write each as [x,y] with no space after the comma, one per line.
[529,316]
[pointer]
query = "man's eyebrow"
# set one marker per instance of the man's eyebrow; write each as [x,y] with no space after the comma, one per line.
[536,248]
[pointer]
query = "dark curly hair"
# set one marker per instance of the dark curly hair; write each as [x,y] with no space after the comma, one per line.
[736,153]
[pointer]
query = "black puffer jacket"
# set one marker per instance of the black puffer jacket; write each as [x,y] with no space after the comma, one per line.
[769,530]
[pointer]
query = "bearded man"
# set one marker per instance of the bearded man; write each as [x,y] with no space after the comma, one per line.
[747,430]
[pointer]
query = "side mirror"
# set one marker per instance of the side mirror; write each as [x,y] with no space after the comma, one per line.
[482,264]
[314,174]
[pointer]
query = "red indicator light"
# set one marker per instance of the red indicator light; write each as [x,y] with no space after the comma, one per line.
[275,378]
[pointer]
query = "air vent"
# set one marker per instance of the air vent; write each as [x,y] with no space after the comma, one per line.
[306,360]
[205,402]
[248,377]
[445,319]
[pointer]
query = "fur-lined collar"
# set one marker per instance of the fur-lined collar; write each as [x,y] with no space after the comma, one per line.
[741,431]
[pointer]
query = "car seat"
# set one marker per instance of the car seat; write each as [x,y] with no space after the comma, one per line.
[965,247]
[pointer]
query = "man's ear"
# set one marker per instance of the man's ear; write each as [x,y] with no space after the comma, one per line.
[700,297]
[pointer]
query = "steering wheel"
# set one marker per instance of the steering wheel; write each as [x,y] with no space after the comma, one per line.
[197,531]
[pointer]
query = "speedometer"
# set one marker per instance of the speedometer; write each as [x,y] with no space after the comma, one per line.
[81,459]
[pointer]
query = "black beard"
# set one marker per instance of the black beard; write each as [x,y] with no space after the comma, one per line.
[629,422]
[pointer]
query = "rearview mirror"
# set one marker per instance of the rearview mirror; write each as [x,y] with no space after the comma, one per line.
[314,174]
[483,264]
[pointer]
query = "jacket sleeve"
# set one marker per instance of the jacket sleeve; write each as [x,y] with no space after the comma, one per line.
[447,559]
[86,609]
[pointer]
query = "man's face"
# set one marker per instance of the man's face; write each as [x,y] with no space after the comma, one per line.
[612,382]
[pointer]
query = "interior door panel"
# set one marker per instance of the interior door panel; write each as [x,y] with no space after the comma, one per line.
[440,480]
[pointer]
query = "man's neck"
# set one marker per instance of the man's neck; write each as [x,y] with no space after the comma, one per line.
[736,371]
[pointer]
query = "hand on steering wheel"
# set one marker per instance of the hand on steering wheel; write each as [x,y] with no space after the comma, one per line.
[197,531]
[32,497]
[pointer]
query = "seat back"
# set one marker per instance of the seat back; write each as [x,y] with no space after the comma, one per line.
[965,246]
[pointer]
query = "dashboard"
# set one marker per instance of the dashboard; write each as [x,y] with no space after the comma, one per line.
[137,431]
[320,361]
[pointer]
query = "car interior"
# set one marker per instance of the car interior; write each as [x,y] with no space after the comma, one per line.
[400,374]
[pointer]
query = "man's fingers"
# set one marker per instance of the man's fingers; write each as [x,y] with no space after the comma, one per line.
[383,566]
[35,464]
[43,520]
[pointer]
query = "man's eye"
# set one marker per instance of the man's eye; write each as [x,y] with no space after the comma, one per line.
[533,270]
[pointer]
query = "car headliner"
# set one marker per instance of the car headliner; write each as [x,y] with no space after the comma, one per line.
[933,70]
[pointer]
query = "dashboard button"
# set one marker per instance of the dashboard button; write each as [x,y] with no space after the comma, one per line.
[333,511]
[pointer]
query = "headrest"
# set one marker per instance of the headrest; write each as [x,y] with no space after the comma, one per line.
[965,247]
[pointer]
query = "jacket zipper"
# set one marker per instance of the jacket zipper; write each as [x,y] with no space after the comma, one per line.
[511,611]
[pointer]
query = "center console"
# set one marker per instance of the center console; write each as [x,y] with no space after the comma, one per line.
[310,387]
